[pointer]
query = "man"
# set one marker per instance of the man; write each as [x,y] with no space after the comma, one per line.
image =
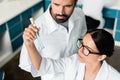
[60,27]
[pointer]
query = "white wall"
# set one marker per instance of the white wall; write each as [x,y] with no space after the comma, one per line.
[117,2]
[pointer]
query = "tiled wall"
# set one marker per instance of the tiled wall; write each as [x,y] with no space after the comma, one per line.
[16,25]
[117,28]
[15,31]
[2,29]
[109,16]
[47,2]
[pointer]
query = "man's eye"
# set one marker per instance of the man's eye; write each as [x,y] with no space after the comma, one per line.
[56,4]
[69,6]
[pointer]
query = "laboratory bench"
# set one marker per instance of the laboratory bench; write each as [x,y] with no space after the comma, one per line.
[14,18]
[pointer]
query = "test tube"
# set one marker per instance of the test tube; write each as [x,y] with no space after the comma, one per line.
[38,35]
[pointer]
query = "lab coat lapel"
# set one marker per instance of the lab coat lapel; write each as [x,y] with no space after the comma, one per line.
[80,72]
[51,24]
[74,35]
[75,71]
[103,72]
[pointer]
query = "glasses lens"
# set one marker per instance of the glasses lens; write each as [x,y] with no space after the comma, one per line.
[84,48]
[78,44]
[85,51]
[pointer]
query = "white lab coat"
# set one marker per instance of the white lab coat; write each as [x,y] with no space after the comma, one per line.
[93,8]
[56,40]
[73,69]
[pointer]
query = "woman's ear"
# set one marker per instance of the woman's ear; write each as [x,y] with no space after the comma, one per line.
[102,57]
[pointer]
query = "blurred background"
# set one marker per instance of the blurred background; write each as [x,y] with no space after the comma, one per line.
[14,18]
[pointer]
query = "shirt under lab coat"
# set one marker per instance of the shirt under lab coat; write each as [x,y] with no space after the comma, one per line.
[73,69]
[57,41]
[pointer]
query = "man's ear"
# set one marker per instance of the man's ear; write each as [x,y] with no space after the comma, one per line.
[102,57]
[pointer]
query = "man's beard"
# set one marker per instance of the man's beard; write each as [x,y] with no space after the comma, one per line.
[61,20]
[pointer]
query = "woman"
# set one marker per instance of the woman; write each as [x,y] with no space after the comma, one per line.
[88,64]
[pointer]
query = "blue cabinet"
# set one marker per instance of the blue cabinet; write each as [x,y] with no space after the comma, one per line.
[117,28]
[28,13]
[25,18]
[117,36]
[16,25]
[110,13]
[15,30]
[2,29]
[109,16]
[112,17]
[17,43]
[38,6]
[11,31]
[47,2]
[118,25]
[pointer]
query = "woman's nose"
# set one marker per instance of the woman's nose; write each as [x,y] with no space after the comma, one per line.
[80,49]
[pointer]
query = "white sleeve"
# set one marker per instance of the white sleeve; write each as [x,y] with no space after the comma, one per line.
[24,62]
[50,66]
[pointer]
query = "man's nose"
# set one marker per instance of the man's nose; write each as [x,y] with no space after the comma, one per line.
[61,10]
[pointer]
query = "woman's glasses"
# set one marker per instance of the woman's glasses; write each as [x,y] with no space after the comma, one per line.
[85,49]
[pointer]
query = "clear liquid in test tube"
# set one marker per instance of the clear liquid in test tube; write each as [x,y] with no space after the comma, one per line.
[38,35]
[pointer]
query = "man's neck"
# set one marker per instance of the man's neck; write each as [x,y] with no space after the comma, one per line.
[65,24]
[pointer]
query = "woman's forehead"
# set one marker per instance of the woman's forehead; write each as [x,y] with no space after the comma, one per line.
[87,38]
[89,42]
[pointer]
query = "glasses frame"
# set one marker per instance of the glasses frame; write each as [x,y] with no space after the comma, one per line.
[81,45]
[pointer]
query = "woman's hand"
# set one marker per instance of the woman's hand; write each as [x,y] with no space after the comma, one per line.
[29,34]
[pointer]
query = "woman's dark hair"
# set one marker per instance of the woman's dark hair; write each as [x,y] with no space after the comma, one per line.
[104,41]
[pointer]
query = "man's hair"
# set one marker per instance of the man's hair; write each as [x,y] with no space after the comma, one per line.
[103,40]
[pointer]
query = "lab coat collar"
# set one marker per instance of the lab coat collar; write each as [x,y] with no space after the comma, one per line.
[101,75]
[52,23]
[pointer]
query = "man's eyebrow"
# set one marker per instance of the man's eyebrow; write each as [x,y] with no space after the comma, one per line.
[56,3]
